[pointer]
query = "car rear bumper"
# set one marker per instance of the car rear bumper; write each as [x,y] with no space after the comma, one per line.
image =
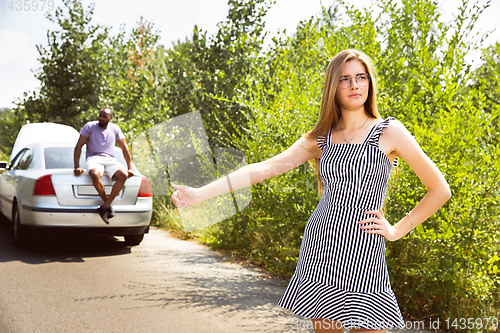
[108,230]
[85,217]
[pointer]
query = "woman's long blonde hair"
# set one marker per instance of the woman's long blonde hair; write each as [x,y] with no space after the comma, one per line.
[330,113]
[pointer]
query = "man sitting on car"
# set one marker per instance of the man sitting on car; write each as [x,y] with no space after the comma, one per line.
[101,137]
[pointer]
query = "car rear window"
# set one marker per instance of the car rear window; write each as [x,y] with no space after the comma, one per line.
[62,158]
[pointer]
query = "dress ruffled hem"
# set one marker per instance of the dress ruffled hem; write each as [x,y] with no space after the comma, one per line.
[374,311]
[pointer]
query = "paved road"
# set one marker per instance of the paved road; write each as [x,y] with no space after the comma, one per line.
[96,284]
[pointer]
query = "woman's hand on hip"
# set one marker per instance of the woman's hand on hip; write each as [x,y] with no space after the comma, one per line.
[380,225]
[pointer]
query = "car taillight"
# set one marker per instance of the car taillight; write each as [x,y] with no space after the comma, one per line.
[43,186]
[146,190]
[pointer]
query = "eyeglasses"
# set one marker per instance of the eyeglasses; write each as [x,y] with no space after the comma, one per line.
[362,80]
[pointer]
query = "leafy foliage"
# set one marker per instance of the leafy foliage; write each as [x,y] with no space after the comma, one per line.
[73,69]
[222,65]
[7,121]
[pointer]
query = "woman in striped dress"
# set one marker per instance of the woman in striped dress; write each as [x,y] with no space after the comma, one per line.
[341,279]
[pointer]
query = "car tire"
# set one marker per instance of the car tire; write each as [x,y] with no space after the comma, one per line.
[133,240]
[18,230]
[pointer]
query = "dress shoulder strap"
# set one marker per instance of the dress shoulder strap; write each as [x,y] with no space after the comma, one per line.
[381,125]
[322,140]
[375,136]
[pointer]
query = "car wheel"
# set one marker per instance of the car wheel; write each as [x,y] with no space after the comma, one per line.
[132,240]
[19,232]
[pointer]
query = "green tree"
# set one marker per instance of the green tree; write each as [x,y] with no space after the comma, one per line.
[487,81]
[73,69]
[136,79]
[222,66]
[7,123]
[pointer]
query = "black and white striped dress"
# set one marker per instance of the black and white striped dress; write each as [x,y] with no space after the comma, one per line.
[341,272]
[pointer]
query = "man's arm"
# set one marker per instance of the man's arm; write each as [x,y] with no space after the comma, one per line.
[126,153]
[78,151]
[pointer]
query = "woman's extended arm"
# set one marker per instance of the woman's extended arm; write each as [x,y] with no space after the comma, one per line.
[438,193]
[248,175]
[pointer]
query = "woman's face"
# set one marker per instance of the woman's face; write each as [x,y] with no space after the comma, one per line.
[354,96]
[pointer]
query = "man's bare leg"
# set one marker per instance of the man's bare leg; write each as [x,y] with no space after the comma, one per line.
[121,177]
[96,181]
[95,175]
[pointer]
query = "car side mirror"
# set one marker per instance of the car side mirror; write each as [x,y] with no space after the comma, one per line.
[3,165]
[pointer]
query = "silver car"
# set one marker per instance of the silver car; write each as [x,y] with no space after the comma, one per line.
[38,190]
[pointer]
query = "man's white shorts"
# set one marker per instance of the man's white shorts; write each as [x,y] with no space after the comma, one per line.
[104,163]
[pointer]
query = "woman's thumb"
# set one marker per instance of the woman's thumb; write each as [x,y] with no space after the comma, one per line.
[179,187]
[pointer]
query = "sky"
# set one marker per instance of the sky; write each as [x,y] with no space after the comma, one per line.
[21,30]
